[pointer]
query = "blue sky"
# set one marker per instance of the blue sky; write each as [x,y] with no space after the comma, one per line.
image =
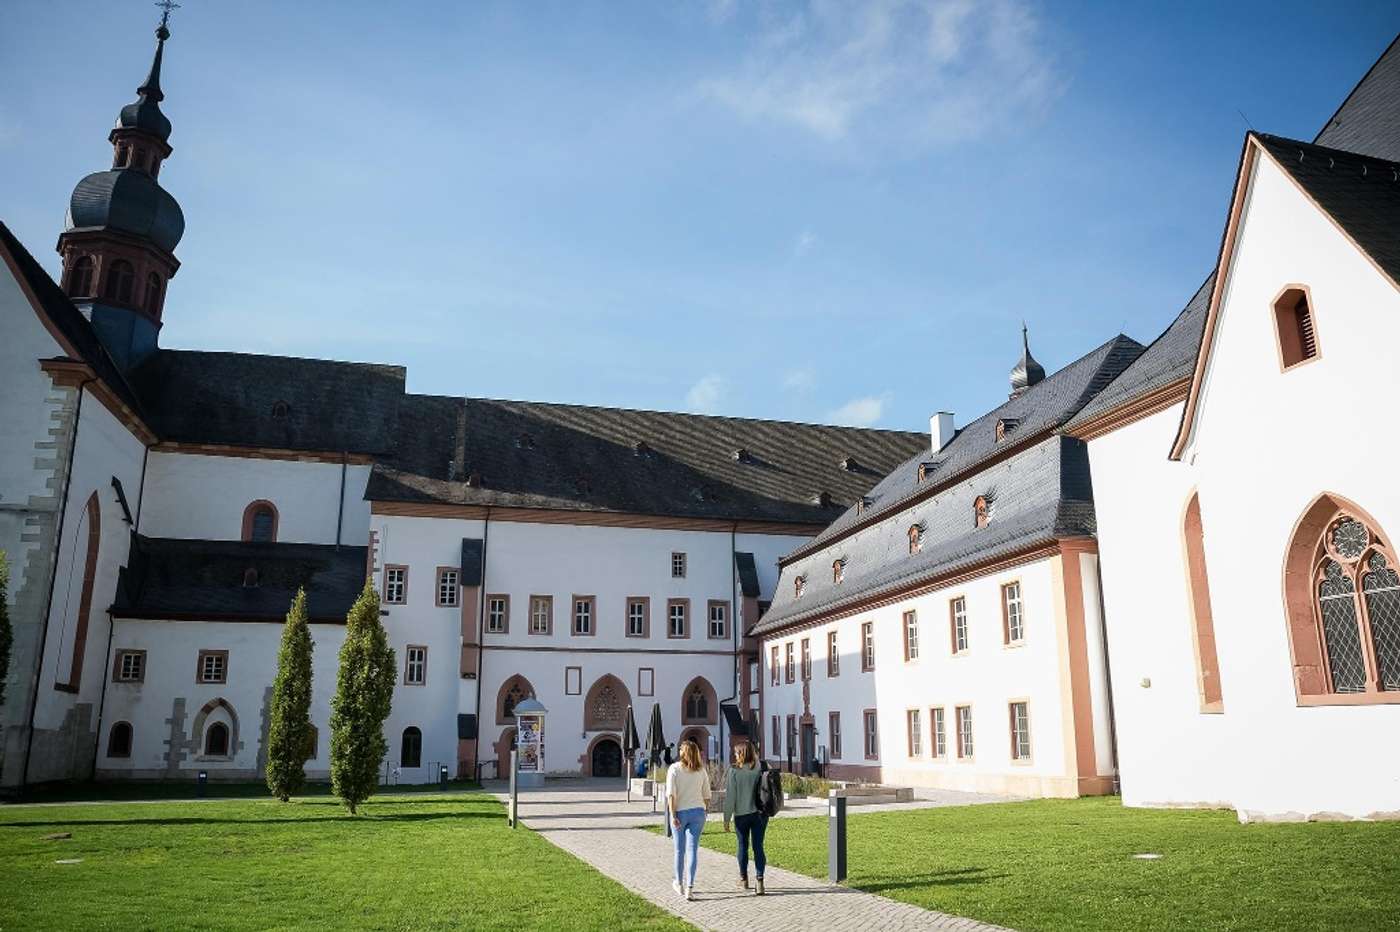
[834,212]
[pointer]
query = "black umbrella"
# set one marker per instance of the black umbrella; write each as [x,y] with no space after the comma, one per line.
[630,744]
[655,746]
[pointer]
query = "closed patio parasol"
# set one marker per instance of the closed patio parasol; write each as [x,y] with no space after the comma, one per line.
[630,744]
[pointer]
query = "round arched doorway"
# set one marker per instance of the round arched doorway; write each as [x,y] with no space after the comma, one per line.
[606,758]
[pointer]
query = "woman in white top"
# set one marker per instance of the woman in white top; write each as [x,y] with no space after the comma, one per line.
[687,798]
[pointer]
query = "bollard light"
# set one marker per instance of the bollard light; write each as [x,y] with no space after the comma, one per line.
[203,779]
[836,839]
[442,776]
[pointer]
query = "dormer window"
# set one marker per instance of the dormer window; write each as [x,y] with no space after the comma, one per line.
[982,511]
[799,585]
[250,578]
[742,455]
[838,571]
[582,486]
[1294,326]
[524,442]
[864,504]
[926,470]
[642,448]
[822,499]
[916,538]
[1005,426]
[280,410]
[849,464]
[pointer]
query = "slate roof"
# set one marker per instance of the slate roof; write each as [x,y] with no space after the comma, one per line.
[1170,358]
[1040,495]
[574,457]
[1361,194]
[235,398]
[1045,406]
[204,580]
[130,201]
[1368,121]
[69,320]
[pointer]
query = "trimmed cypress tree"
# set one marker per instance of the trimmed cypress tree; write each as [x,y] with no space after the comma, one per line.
[364,690]
[289,731]
[7,635]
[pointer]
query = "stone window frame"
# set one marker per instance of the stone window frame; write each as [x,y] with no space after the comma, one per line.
[789,662]
[92,516]
[775,670]
[250,513]
[645,603]
[790,733]
[833,654]
[711,697]
[833,735]
[1007,639]
[914,732]
[678,564]
[537,601]
[591,722]
[957,609]
[646,681]
[402,595]
[583,607]
[867,647]
[117,663]
[870,733]
[403,747]
[574,688]
[1016,756]
[408,665]
[710,607]
[909,625]
[938,732]
[504,599]
[526,687]
[916,538]
[671,606]
[777,738]
[199,677]
[804,655]
[228,752]
[452,589]
[981,512]
[1295,334]
[1208,686]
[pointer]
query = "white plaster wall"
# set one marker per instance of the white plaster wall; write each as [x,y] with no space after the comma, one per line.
[203,498]
[105,449]
[988,676]
[1265,445]
[24,390]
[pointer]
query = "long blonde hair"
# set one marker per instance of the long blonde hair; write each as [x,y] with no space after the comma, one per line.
[745,755]
[690,755]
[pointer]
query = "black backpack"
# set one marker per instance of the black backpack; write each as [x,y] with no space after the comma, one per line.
[768,794]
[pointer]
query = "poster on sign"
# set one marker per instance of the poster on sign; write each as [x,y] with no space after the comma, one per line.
[530,741]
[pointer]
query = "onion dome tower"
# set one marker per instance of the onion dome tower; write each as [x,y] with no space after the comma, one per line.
[1028,372]
[118,245]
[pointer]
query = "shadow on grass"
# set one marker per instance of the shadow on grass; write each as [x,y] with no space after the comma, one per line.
[346,817]
[952,878]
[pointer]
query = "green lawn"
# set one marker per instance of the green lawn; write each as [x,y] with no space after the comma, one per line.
[407,862]
[1067,864]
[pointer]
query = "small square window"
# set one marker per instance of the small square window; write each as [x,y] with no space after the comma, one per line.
[415,671]
[638,617]
[395,585]
[213,666]
[448,593]
[719,620]
[541,614]
[497,614]
[677,565]
[583,615]
[130,666]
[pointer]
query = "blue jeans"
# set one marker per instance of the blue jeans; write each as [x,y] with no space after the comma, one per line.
[751,827]
[687,838]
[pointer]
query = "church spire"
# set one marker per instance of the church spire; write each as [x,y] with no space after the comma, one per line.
[1028,372]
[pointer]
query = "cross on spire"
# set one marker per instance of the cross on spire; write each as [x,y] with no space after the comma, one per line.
[166,6]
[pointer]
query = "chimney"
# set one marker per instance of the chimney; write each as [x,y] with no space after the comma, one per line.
[940,429]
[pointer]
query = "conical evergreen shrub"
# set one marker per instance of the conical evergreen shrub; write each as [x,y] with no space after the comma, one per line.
[364,690]
[289,731]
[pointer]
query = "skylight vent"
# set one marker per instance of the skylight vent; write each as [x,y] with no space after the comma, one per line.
[822,499]
[280,409]
[849,464]
[742,455]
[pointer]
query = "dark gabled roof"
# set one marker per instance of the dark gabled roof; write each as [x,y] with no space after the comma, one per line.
[1361,194]
[1043,407]
[1040,495]
[537,455]
[68,320]
[204,579]
[748,574]
[1368,121]
[1170,358]
[237,399]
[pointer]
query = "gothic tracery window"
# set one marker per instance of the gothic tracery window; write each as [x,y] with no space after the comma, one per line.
[697,706]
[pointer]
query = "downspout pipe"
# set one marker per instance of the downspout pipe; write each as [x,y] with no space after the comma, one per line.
[481,634]
[53,581]
[102,700]
[340,504]
[733,631]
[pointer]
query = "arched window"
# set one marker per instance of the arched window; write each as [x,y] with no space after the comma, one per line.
[153,294]
[1294,325]
[80,277]
[1203,631]
[216,740]
[119,740]
[121,277]
[260,522]
[513,692]
[411,749]
[92,517]
[699,704]
[1343,595]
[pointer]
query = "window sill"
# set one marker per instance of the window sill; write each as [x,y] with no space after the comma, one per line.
[1011,645]
[1391,697]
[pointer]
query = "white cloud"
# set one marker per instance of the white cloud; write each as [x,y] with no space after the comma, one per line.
[859,412]
[922,71]
[804,243]
[800,380]
[705,395]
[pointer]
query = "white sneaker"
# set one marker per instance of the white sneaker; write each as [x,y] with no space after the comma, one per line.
[690,893]
[676,885]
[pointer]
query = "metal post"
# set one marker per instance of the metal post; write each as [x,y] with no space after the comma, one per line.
[512,815]
[442,775]
[836,839]
[203,780]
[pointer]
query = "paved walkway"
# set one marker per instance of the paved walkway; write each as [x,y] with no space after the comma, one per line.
[592,820]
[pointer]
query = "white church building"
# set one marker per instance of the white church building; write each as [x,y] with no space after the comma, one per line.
[1162,570]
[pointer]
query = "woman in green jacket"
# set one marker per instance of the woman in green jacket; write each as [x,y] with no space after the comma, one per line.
[740,792]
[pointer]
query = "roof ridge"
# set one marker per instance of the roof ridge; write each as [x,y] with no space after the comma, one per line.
[1331,150]
[1327,124]
[321,359]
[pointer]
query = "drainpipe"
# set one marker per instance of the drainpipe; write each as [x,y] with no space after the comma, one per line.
[733,632]
[481,633]
[340,505]
[53,581]
[102,700]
